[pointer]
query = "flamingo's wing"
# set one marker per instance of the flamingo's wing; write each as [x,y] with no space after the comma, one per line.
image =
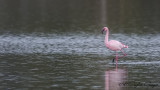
[114,45]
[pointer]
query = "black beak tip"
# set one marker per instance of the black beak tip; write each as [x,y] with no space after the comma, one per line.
[113,60]
[102,31]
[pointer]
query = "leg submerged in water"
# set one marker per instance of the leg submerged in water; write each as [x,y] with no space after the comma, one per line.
[115,57]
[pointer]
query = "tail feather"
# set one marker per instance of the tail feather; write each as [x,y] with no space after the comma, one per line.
[125,46]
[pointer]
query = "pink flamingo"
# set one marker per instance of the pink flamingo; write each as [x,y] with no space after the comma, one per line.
[113,45]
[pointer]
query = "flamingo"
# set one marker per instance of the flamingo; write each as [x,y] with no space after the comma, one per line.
[114,45]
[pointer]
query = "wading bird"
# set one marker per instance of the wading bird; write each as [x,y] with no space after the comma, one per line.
[113,45]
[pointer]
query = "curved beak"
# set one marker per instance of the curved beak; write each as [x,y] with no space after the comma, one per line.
[102,31]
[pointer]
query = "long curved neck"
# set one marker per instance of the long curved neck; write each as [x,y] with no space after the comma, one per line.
[106,37]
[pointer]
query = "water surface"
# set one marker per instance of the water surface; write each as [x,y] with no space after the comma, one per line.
[58,45]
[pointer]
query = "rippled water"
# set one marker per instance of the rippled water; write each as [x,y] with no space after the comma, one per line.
[77,61]
[141,45]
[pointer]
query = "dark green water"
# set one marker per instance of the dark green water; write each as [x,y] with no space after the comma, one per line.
[58,45]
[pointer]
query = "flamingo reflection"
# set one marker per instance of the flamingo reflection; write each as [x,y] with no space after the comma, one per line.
[114,77]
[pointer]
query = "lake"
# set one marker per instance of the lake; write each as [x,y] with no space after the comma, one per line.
[58,45]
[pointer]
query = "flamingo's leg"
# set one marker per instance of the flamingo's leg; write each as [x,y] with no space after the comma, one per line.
[124,54]
[116,57]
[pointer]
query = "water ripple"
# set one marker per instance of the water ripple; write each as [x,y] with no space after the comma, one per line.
[78,44]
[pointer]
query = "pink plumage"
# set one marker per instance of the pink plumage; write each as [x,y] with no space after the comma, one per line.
[114,45]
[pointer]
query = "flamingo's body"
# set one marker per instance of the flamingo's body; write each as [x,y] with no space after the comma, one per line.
[113,45]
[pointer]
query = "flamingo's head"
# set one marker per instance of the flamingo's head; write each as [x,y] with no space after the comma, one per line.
[105,29]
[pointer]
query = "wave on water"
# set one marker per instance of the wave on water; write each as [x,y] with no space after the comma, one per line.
[78,44]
